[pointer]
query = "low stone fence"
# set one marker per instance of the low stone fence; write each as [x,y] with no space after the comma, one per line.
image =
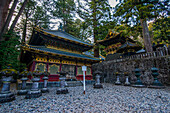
[145,64]
[57,84]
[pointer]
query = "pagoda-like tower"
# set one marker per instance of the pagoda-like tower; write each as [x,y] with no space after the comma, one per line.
[57,51]
[116,43]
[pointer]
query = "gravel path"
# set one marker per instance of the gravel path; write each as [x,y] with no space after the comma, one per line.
[115,99]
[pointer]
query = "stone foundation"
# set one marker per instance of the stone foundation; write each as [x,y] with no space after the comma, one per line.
[109,68]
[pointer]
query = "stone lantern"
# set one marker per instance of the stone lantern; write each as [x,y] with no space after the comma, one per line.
[35,92]
[127,83]
[62,89]
[97,82]
[117,79]
[138,83]
[24,78]
[45,78]
[7,75]
[156,83]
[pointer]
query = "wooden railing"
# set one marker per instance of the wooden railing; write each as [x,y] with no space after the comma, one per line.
[159,53]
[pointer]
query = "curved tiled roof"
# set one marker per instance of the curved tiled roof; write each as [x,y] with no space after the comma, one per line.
[59,52]
[62,35]
[65,35]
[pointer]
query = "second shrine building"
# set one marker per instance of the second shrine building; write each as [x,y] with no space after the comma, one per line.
[56,50]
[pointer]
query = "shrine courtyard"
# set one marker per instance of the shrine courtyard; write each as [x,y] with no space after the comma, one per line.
[112,98]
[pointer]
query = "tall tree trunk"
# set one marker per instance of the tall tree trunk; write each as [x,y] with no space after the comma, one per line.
[146,36]
[6,24]
[96,48]
[24,30]
[4,6]
[18,15]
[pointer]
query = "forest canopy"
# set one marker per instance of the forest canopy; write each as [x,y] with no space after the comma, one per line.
[89,20]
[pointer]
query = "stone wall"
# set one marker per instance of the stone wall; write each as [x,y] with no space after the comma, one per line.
[109,68]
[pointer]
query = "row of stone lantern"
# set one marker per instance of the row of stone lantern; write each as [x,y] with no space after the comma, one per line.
[7,75]
[138,83]
[127,83]
[6,95]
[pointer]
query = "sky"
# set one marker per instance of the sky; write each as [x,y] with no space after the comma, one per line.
[113,2]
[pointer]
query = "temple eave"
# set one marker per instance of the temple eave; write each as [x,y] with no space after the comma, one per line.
[59,55]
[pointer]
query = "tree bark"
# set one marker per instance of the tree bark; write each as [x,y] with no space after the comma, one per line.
[24,30]
[6,24]
[4,6]
[18,15]
[96,48]
[146,36]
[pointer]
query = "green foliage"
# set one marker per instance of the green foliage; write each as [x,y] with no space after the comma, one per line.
[34,14]
[64,10]
[10,51]
[96,14]
[160,30]
[130,31]
[137,12]
[130,11]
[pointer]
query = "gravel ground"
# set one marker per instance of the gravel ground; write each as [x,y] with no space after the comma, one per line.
[110,99]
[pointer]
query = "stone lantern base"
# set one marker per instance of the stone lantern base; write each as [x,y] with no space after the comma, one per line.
[6,97]
[98,86]
[22,92]
[156,87]
[62,91]
[127,84]
[33,94]
[118,83]
[139,86]
[44,90]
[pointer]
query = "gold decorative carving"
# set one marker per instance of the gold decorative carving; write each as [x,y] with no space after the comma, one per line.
[53,66]
[40,64]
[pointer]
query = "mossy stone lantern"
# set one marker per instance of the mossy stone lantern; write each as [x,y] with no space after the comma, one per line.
[24,78]
[45,78]
[156,83]
[7,75]
[97,80]
[138,83]
[62,89]
[35,92]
